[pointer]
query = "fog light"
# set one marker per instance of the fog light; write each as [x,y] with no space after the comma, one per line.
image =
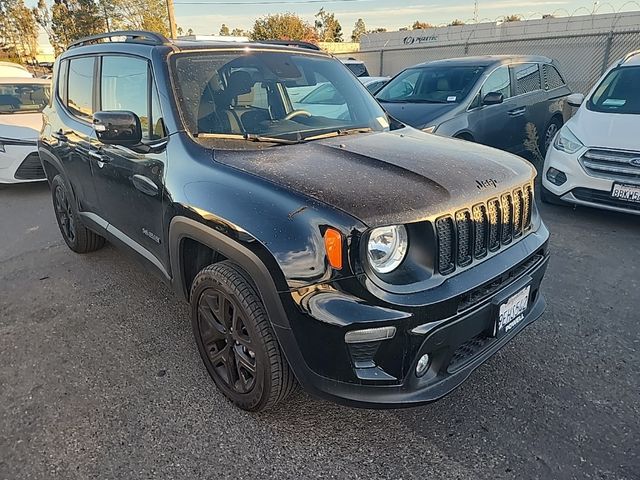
[556,176]
[369,335]
[423,365]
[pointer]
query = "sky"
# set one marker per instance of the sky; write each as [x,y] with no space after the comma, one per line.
[207,16]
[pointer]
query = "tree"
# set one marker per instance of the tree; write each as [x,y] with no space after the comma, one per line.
[417,25]
[190,32]
[180,31]
[224,30]
[359,29]
[18,31]
[69,20]
[283,26]
[456,23]
[377,30]
[328,27]
[512,18]
[238,32]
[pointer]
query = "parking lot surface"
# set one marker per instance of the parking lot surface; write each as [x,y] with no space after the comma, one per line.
[100,377]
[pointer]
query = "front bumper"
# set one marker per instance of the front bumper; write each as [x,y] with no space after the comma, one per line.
[581,188]
[20,163]
[456,333]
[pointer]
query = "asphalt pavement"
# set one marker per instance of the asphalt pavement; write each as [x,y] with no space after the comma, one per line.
[100,377]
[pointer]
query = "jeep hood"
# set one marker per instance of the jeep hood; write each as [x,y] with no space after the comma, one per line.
[388,177]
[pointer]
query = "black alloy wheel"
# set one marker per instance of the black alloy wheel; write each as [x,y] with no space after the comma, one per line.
[236,340]
[226,340]
[64,214]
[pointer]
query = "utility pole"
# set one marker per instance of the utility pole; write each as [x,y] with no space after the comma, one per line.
[475,11]
[172,19]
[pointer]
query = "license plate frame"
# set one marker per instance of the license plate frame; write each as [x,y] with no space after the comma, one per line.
[510,307]
[626,192]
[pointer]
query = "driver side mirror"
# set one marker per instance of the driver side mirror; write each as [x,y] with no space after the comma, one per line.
[117,128]
[575,99]
[493,98]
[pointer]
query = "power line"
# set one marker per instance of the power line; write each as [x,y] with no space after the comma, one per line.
[270,2]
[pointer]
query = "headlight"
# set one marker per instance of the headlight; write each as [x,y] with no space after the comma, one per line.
[430,129]
[387,248]
[567,142]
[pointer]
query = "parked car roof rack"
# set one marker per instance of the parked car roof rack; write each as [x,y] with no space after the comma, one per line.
[629,55]
[131,36]
[291,43]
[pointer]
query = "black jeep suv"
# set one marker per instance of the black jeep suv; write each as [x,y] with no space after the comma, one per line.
[321,242]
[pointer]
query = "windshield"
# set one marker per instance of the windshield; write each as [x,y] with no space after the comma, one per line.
[254,95]
[618,92]
[437,84]
[23,97]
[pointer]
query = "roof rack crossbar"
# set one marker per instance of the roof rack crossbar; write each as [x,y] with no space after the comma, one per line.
[629,55]
[132,36]
[291,43]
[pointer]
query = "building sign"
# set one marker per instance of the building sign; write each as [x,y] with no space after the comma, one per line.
[411,40]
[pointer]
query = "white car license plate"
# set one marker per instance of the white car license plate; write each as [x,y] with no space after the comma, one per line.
[629,193]
[511,312]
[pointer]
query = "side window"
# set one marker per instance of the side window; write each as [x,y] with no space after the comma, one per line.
[80,87]
[552,78]
[61,85]
[499,81]
[125,85]
[527,77]
[405,87]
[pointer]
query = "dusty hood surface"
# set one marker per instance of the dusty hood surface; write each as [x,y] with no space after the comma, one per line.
[606,130]
[387,178]
[20,126]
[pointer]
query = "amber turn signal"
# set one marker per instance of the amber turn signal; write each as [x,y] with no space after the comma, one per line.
[333,247]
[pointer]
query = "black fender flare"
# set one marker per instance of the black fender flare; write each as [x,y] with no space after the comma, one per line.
[183,227]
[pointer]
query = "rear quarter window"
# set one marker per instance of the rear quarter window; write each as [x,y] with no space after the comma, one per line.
[552,77]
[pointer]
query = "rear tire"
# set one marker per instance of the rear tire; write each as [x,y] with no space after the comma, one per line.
[77,237]
[235,339]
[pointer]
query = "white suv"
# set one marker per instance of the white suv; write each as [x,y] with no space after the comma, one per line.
[595,159]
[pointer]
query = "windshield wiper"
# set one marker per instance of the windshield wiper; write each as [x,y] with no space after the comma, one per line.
[340,132]
[392,101]
[250,137]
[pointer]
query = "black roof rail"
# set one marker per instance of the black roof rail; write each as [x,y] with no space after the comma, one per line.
[291,43]
[132,36]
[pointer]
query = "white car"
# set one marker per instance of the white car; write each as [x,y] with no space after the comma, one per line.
[14,70]
[595,159]
[21,104]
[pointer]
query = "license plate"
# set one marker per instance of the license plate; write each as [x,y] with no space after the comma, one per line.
[511,312]
[629,193]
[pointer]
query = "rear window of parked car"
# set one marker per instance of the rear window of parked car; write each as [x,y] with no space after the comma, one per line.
[527,78]
[552,78]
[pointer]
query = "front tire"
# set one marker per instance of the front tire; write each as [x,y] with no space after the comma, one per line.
[235,339]
[77,237]
[550,131]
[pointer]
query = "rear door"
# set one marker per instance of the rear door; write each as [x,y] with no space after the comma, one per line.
[130,181]
[491,124]
[71,129]
[529,104]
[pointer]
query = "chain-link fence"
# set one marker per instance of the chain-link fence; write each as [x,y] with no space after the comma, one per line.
[583,55]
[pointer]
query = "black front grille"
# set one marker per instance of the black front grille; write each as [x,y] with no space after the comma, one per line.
[471,233]
[604,198]
[468,350]
[30,168]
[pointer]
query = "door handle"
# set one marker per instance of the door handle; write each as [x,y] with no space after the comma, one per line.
[145,185]
[60,136]
[517,111]
[97,155]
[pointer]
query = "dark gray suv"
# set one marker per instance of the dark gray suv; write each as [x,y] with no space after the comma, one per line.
[488,99]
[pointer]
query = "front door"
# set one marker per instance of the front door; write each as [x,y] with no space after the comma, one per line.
[492,124]
[130,181]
